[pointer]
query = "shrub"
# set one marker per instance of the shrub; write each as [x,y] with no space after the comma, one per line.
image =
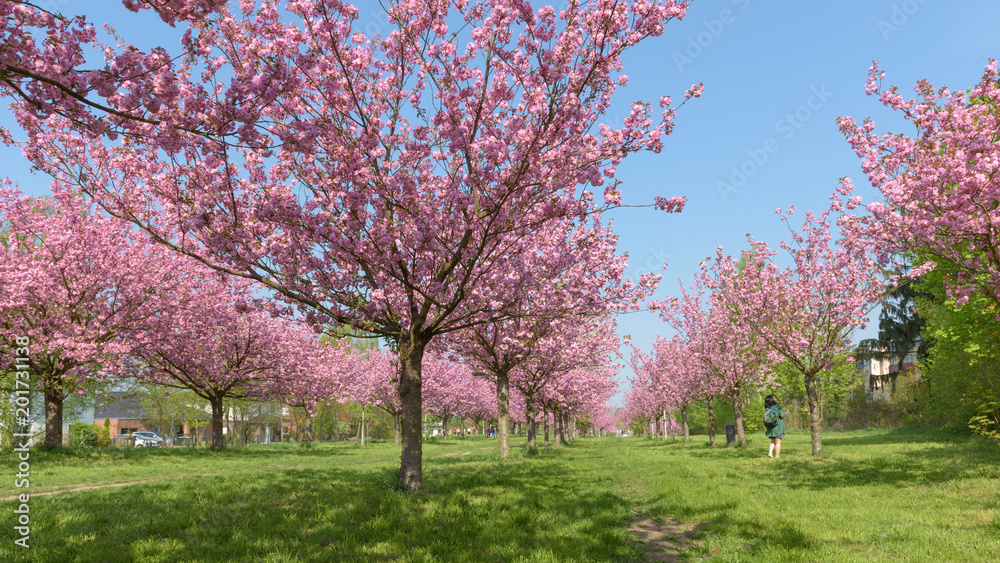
[103,434]
[987,420]
[82,434]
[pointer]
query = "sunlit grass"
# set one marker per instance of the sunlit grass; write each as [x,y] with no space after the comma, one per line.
[870,496]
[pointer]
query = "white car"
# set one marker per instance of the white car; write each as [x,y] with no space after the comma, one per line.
[147,439]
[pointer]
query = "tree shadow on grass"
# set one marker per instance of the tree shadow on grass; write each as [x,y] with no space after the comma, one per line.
[472,512]
[926,458]
[887,437]
[755,535]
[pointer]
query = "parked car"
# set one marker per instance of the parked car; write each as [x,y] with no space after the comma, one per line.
[167,440]
[147,439]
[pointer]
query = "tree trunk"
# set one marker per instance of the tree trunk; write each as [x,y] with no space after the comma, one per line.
[363,428]
[444,426]
[741,434]
[711,423]
[503,415]
[684,424]
[411,355]
[531,448]
[54,397]
[562,427]
[395,426]
[545,423]
[815,414]
[555,428]
[308,432]
[218,438]
[225,421]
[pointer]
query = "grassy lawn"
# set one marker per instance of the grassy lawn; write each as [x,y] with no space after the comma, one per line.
[870,496]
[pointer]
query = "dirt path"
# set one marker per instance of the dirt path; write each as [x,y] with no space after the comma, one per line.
[665,540]
[105,486]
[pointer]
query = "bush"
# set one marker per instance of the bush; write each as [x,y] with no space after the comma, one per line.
[103,434]
[862,413]
[987,420]
[82,435]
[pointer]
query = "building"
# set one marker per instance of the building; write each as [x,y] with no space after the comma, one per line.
[882,374]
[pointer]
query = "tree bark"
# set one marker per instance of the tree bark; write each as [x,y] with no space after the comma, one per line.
[218,438]
[684,423]
[815,414]
[562,427]
[545,415]
[503,415]
[411,355]
[54,397]
[444,426]
[741,434]
[363,428]
[395,426]
[555,428]
[531,447]
[711,423]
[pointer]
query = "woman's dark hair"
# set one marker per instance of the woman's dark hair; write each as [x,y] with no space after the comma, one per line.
[770,401]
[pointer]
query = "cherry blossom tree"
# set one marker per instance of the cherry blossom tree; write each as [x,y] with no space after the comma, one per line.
[218,347]
[551,321]
[450,388]
[730,358]
[392,184]
[43,65]
[804,312]
[578,393]
[380,367]
[75,282]
[669,379]
[561,346]
[328,369]
[940,185]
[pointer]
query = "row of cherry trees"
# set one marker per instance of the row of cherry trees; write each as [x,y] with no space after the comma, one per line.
[96,298]
[742,316]
[941,206]
[410,185]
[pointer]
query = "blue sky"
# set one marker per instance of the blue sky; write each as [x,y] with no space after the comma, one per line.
[776,75]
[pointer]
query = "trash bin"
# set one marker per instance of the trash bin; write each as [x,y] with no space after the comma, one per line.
[730,434]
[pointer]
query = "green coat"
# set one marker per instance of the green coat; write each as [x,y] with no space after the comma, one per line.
[779,429]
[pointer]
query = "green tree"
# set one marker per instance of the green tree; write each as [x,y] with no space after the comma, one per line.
[103,433]
[962,369]
[837,386]
[901,331]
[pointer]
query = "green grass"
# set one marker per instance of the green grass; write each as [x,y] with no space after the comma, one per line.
[870,496]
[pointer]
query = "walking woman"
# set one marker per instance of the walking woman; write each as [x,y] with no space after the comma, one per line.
[774,424]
